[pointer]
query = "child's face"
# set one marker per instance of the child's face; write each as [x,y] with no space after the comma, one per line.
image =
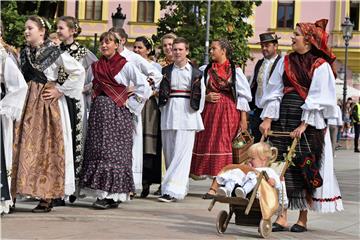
[256,161]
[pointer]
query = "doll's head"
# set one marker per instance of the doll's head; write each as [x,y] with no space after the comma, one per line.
[261,154]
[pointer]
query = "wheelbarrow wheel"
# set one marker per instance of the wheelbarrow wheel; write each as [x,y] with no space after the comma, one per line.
[265,228]
[221,224]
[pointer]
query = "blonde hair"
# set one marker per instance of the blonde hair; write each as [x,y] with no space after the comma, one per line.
[263,150]
[168,36]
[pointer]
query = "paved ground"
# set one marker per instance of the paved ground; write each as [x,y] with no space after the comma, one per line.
[187,219]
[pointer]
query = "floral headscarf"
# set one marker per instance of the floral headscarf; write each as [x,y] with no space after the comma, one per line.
[315,34]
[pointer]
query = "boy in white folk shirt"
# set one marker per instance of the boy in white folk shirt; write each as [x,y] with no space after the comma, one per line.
[181,100]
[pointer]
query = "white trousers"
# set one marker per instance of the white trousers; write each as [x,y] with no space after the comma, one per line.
[177,146]
[137,154]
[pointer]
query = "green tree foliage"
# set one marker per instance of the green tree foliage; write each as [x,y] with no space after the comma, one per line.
[228,20]
[13,24]
[14,14]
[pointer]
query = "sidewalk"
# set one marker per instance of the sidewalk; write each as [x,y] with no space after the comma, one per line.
[187,219]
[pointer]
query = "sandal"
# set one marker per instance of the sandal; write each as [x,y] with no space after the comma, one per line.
[208,195]
[43,207]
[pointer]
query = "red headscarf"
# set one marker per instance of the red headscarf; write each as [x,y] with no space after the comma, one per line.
[315,34]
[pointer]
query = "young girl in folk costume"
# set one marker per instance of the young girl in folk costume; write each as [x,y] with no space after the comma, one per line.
[227,96]
[243,183]
[151,125]
[68,29]
[12,96]
[299,97]
[107,167]
[43,158]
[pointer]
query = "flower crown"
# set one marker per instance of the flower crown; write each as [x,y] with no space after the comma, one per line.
[45,23]
[76,25]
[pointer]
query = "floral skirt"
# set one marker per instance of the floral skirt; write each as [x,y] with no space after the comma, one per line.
[107,164]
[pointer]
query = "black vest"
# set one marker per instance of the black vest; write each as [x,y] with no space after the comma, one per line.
[233,77]
[254,83]
[165,87]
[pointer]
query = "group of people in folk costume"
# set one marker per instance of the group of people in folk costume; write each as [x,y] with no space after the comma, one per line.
[98,127]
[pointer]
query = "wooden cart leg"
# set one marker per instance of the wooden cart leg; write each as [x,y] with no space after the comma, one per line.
[211,205]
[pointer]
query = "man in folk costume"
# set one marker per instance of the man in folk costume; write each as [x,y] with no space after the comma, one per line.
[262,72]
[154,77]
[181,100]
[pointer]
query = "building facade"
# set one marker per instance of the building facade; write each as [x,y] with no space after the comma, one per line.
[280,16]
[95,16]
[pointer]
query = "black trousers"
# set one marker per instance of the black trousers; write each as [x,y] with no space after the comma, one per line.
[356,139]
[255,122]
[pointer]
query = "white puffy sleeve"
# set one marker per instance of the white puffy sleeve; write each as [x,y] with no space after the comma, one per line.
[243,92]
[86,61]
[74,84]
[149,70]
[270,101]
[203,93]
[130,75]
[320,103]
[16,90]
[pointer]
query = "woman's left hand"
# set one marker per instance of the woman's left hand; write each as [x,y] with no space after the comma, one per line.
[243,125]
[51,94]
[298,131]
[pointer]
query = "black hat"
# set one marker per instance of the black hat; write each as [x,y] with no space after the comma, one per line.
[268,37]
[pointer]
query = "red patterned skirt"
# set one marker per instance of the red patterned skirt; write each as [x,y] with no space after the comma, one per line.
[213,148]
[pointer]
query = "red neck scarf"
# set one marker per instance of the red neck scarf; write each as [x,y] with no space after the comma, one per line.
[219,75]
[104,72]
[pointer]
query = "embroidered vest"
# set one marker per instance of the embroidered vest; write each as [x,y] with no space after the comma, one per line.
[254,84]
[195,92]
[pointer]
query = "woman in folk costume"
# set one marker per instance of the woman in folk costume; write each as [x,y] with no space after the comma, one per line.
[226,107]
[67,30]
[107,167]
[43,164]
[13,93]
[151,125]
[299,97]
[153,75]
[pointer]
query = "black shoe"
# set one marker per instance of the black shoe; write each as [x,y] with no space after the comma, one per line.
[146,190]
[72,198]
[166,198]
[279,228]
[58,202]
[105,204]
[158,192]
[43,207]
[297,228]
[356,150]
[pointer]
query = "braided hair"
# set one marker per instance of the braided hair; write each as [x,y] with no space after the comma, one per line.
[72,23]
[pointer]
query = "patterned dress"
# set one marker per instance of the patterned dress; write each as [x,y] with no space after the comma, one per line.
[43,162]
